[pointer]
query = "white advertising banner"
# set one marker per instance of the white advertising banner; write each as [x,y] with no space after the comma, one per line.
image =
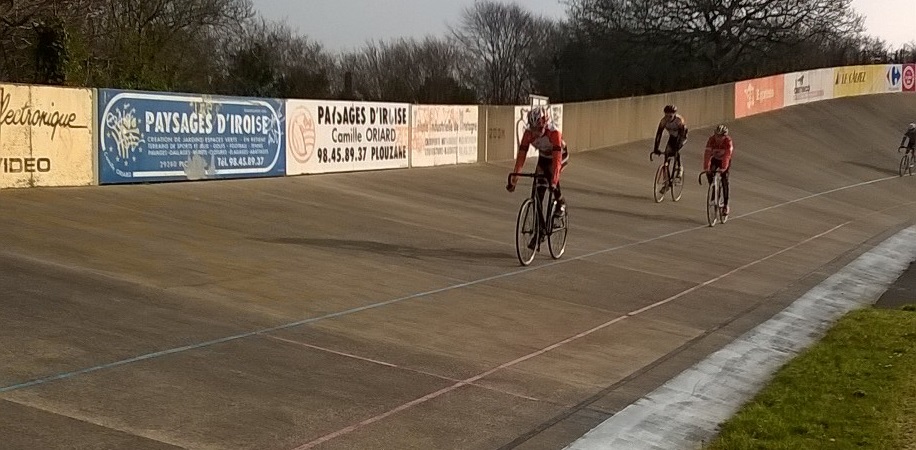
[521,112]
[443,135]
[45,136]
[342,136]
[809,86]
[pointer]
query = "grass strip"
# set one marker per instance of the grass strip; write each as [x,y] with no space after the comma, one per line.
[856,388]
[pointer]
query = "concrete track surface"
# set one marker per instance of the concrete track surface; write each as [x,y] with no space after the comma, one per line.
[388,310]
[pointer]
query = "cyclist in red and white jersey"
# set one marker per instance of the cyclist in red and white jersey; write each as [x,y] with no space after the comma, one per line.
[676,126]
[552,154]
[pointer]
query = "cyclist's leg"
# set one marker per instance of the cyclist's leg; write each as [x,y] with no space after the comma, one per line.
[674,147]
[544,166]
[725,190]
[668,153]
[561,201]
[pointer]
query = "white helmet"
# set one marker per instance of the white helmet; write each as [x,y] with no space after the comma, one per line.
[911,127]
[537,118]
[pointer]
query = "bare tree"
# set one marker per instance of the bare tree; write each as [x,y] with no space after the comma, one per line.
[501,41]
[726,36]
[267,59]
[408,70]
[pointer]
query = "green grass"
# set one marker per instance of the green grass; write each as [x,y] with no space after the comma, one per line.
[854,389]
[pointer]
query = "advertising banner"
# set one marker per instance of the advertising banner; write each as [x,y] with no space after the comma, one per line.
[45,136]
[853,80]
[808,86]
[908,82]
[443,135]
[342,136]
[759,95]
[521,114]
[146,136]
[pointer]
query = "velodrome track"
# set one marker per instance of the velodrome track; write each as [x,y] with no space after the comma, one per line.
[388,310]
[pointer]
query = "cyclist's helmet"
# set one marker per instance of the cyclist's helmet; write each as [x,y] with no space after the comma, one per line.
[722,130]
[670,109]
[911,127]
[537,118]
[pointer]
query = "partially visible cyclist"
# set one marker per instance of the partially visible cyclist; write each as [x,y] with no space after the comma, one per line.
[553,155]
[676,127]
[718,156]
[911,135]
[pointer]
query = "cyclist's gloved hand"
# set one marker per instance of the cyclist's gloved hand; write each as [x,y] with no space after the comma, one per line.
[510,187]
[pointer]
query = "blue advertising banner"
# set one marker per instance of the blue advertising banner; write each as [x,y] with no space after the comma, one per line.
[146,136]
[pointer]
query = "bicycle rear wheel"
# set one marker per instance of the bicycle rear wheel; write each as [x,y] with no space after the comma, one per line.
[556,237]
[526,232]
[661,181]
[712,208]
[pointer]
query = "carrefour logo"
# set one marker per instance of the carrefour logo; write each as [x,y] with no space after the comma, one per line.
[894,76]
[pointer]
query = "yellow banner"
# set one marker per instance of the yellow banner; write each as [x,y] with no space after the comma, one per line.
[853,80]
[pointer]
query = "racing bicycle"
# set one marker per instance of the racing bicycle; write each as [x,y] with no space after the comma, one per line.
[537,222]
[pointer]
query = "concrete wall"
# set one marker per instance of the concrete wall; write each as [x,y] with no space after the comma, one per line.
[599,124]
[499,134]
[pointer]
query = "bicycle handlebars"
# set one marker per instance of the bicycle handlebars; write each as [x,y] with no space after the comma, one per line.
[700,175]
[527,175]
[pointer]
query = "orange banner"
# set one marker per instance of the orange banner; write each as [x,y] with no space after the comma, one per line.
[759,95]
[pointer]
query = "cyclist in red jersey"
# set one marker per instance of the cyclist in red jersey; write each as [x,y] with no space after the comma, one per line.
[718,156]
[552,154]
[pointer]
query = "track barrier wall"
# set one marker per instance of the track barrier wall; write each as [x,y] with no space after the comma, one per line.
[55,136]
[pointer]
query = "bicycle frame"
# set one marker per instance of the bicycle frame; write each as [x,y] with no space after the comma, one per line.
[906,162]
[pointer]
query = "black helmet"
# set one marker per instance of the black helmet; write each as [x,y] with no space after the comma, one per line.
[670,109]
[722,130]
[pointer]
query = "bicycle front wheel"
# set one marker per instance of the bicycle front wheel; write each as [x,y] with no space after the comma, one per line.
[677,186]
[556,238]
[661,182]
[905,164]
[712,205]
[526,232]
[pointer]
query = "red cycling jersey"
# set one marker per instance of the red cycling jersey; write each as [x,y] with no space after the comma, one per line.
[547,144]
[720,149]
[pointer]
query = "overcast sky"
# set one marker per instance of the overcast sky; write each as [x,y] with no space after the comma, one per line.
[348,24]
